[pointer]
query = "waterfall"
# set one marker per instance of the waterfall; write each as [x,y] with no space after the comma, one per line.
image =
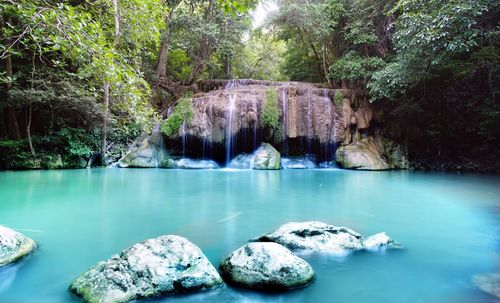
[309,122]
[229,120]
[284,107]
[183,137]
[329,125]
[256,124]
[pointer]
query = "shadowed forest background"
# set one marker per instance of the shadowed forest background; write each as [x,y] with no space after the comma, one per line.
[80,80]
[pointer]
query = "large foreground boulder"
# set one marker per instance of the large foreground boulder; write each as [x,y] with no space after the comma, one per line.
[372,153]
[13,246]
[315,236]
[266,157]
[155,267]
[489,283]
[266,266]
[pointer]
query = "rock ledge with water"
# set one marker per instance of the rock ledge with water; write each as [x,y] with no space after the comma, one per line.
[13,246]
[266,266]
[161,266]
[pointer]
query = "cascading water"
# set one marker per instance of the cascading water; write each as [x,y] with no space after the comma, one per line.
[309,122]
[328,111]
[256,124]
[229,119]
[284,107]
[183,137]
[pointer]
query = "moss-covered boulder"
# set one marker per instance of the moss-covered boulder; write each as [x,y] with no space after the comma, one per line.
[266,266]
[266,157]
[372,153]
[156,267]
[13,246]
[147,152]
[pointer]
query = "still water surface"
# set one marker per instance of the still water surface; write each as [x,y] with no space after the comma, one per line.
[448,223]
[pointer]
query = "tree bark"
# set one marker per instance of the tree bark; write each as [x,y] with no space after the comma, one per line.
[161,69]
[117,21]
[30,114]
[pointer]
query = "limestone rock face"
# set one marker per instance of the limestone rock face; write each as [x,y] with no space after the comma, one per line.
[306,110]
[146,152]
[266,266]
[372,153]
[266,157]
[155,267]
[315,236]
[13,246]
[489,283]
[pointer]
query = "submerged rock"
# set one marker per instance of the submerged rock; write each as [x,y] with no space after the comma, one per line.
[13,246]
[266,266]
[266,157]
[306,162]
[186,163]
[242,161]
[315,236]
[155,267]
[372,153]
[146,152]
[377,241]
[489,283]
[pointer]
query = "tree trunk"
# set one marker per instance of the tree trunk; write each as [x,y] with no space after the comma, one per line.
[203,50]
[117,21]
[161,69]
[30,114]
[11,124]
[325,67]
[105,123]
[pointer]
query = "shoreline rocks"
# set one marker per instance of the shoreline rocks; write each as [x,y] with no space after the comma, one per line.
[266,266]
[156,267]
[14,246]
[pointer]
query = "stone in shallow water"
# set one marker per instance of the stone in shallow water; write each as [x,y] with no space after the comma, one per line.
[13,246]
[161,266]
[266,266]
[489,283]
[306,162]
[377,241]
[267,157]
[315,236]
[186,163]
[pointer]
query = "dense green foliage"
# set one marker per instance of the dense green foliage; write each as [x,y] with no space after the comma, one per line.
[271,114]
[182,113]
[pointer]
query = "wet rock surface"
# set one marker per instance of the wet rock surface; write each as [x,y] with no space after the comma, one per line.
[266,266]
[489,283]
[314,236]
[156,267]
[13,246]
[266,157]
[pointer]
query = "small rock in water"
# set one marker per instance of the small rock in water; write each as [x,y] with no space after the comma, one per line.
[155,267]
[13,246]
[315,236]
[266,266]
[380,240]
[489,283]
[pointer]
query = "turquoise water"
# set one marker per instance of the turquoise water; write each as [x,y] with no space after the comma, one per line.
[449,224]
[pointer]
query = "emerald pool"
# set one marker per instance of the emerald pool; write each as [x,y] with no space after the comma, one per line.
[449,225]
